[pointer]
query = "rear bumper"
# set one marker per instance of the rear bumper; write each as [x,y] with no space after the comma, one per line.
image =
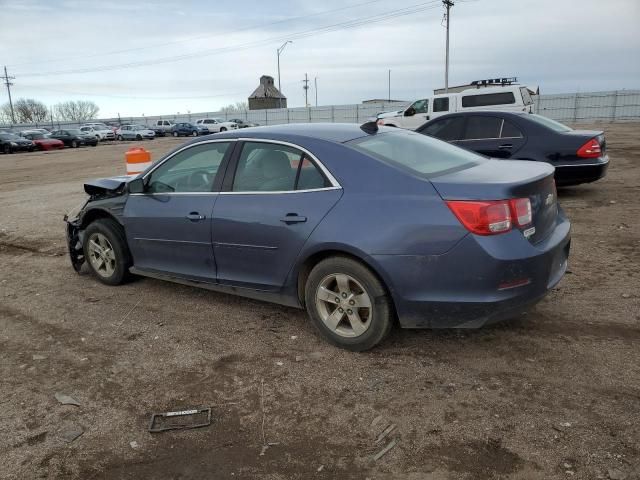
[472,284]
[581,172]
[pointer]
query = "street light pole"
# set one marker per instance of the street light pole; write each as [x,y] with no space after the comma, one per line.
[447,4]
[279,87]
[315,88]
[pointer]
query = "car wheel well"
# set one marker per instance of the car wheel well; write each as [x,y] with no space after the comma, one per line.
[313,260]
[96,214]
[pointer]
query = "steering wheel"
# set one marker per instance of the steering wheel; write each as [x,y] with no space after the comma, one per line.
[200,180]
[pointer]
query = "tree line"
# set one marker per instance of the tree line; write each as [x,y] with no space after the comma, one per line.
[29,110]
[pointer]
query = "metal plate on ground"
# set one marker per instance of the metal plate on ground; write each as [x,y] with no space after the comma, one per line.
[180,420]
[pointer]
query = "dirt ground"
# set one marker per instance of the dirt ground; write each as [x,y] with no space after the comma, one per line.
[553,395]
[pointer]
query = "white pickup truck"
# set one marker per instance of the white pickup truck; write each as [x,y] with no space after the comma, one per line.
[514,98]
[162,127]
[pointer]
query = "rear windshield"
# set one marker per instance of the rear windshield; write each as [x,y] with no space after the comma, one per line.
[547,122]
[417,153]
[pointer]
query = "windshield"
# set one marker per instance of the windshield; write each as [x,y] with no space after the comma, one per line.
[547,122]
[75,132]
[420,154]
[8,136]
[36,136]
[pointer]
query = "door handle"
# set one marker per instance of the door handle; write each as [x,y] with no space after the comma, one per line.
[293,218]
[195,217]
[506,146]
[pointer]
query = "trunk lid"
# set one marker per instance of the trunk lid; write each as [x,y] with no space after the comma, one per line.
[507,179]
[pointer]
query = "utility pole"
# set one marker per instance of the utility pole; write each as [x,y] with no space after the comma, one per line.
[306,90]
[6,79]
[447,4]
[279,51]
[315,88]
[389,97]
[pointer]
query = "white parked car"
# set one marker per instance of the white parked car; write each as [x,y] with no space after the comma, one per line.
[216,125]
[513,98]
[135,132]
[101,132]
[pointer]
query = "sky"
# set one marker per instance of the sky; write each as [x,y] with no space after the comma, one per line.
[150,57]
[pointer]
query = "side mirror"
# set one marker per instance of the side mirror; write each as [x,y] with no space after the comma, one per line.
[410,112]
[136,186]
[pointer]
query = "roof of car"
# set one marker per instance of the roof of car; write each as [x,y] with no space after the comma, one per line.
[332,132]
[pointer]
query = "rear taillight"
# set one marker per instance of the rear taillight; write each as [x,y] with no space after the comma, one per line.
[521,210]
[492,217]
[591,149]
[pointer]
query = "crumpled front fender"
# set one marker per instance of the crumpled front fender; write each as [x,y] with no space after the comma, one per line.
[74,244]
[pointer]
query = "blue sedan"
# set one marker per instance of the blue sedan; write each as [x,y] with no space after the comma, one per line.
[358,225]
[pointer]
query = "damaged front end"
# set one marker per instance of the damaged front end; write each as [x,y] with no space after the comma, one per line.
[107,197]
[74,243]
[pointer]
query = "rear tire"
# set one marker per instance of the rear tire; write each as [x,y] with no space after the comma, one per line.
[176,134]
[106,251]
[348,304]
[138,137]
[7,149]
[223,129]
[119,138]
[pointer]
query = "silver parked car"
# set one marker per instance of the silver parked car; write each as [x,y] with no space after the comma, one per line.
[135,132]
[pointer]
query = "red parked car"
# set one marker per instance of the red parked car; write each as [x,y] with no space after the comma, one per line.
[43,142]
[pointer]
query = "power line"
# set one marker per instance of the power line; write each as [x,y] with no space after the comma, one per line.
[203,37]
[303,34]
[138,97]
[6,79]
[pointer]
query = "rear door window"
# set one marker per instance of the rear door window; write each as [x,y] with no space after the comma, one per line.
[482,127]
[441,104]
[488,99]
[509,130]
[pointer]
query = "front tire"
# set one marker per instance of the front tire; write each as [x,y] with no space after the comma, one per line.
[175,134]
[74,144]
[106,251]
[138,137]
[348,304]
[223,129]
[119,138]
[7,149]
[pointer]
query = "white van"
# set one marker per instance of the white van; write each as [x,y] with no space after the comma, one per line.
[513,98]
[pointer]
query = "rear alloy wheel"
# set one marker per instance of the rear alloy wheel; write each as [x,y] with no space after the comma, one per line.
[74,144]
[348,304]
[106,251]
[175,134]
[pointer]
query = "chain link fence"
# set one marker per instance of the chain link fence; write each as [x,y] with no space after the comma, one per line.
[613,106]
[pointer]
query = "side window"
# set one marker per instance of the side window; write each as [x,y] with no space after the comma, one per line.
[441,104]
[421,106]
[309,177]
[479,127]
[488,99]
[192,170]
[266,167]
[448,129]
[509,130]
